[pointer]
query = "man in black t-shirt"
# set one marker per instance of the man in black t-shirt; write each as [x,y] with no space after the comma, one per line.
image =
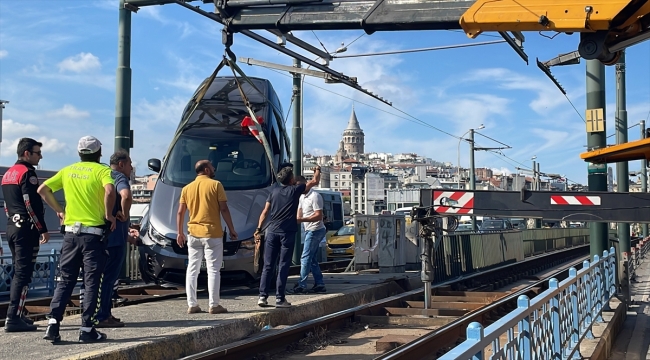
[280,234]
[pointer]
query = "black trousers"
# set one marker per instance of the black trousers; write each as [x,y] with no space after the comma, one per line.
[88,251]
[276,244]
[24,245]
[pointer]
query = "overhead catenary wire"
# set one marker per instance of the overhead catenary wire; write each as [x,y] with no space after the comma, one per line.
[576,109]
[456,46]
[415,120]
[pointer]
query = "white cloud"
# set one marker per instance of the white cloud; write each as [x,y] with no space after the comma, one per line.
[69,112]
[12,128]
[155,13]
[3,54]
[82,62]
[501,171]
[50,146]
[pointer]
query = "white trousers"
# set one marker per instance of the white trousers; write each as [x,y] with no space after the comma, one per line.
[212,249]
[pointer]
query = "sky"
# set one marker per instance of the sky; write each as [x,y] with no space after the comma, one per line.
[57,69]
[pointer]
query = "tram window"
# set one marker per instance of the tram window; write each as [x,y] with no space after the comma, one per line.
[239,160]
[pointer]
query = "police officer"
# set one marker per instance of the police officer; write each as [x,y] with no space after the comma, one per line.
[26,224]
[88,219]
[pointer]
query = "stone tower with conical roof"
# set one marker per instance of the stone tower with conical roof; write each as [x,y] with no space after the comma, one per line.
[353,137]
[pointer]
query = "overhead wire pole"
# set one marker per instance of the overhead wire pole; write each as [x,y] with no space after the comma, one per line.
[597,173]
[472,170]
[296,147]
[622,169]
[123,134]
[644,175]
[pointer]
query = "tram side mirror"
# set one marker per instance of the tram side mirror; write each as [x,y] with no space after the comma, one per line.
[154,165]
[447,202]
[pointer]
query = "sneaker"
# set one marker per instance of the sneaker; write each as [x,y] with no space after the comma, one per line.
[109,323]
[116,319]
[282,304]
[91,336]
[27,320]
[193,310]
[318,289]
[262,301]
[18,325]
[218,310]
[297,290]
[52,333]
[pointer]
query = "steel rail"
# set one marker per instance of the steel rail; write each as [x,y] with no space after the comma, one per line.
[248,347]
[139,294]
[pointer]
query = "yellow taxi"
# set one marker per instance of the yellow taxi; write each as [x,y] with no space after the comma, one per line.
[341,243]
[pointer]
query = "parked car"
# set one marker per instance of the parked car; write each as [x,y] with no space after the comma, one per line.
[492,225]
[341,243]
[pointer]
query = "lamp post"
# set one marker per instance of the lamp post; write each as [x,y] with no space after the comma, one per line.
[2,106]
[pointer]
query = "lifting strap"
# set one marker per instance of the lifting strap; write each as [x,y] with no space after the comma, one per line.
[267,148]
[196,100]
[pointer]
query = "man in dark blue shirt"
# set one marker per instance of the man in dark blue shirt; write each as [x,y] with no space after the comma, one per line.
[116,246]
[280,234]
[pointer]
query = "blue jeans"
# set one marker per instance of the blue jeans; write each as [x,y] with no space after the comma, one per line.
[114,263]
[309,258]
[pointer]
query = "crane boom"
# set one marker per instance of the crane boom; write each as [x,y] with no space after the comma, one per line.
[606,26]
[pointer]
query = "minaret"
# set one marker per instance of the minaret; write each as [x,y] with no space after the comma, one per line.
[353,137]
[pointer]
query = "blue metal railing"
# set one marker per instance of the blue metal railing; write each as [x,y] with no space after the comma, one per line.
[553,324]
[43,277]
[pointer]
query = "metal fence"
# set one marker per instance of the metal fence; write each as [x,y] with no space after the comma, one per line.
[639,252]
[131,263]
[465,253]
[539,241]
[44,276]
[553,324]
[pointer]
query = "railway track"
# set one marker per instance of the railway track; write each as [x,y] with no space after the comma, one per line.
[422,332]
[38,308]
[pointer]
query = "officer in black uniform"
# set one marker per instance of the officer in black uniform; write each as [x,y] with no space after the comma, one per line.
[25,226]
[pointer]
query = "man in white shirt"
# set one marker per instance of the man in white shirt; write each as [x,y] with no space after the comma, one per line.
[310,214]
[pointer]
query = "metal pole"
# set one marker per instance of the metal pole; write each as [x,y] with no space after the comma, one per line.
[123,95]
[472,170]
[597,173]
[622,169]
[538,187]
[644,176]
[296,147]
[621,137]
[534,187]
[123,81]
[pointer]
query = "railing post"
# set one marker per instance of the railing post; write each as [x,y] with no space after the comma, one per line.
[475,333]
[555,319]
[575,315]
[588,283]
[599,294]
[525,343]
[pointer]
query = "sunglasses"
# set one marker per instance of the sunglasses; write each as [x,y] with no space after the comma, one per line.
[36,152]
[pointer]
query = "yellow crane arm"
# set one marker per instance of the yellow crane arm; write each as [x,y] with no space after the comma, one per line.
[606,26]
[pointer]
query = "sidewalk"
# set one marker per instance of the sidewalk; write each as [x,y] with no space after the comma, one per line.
[633,340]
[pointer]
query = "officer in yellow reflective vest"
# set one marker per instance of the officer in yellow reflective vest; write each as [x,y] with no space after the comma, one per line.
[88,219]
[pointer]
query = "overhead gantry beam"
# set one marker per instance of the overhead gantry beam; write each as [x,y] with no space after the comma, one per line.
[564,205]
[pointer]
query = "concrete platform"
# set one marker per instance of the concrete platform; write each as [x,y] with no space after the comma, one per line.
[163,330]
[633,340]
[624,335]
